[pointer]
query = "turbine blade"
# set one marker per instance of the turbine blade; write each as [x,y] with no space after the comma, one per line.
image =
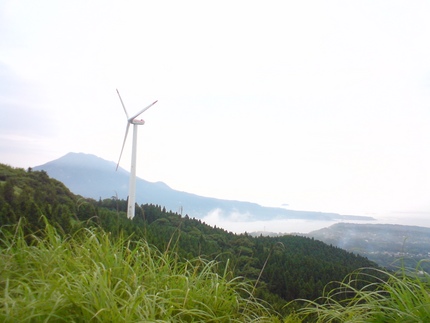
[123,106]
[123,144]
[143,110]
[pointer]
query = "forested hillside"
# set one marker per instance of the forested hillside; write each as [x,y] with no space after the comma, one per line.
[282,268]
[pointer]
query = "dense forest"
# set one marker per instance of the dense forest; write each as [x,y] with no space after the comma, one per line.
[281,269]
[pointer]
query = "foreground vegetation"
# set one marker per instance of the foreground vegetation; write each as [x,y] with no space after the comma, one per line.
[383,297]
[88,278]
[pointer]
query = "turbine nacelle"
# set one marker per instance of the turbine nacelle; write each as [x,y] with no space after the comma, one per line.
[138,122]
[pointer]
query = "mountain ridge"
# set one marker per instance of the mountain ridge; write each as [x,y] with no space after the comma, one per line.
[92,176]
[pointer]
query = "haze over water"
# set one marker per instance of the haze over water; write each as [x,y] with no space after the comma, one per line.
[239,224]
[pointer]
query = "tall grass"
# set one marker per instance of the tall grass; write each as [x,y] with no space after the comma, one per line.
[90,277]
[383,297]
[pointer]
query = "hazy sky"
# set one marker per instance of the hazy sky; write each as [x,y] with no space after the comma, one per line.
[321,105]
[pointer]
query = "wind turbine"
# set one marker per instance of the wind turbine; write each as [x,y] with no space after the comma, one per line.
[132,184]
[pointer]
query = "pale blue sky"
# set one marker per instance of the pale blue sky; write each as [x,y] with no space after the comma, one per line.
[321,105]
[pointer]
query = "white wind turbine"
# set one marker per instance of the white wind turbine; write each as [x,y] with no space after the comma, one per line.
[132,186]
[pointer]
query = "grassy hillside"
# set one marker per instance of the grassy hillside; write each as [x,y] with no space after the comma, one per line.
[88,277]
[40,215]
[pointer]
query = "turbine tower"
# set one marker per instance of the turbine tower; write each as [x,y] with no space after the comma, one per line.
[132,184]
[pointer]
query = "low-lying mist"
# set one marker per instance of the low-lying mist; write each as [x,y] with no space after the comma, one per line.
[243,222]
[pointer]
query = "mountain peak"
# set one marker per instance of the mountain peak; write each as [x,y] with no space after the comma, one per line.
[81,159]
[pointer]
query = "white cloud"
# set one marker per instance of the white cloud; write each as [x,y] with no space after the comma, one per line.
[219,215]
